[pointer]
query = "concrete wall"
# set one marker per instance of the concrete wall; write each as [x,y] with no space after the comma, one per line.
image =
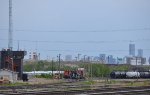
[11,76]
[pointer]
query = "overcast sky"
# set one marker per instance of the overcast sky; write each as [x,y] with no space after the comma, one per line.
[88,27]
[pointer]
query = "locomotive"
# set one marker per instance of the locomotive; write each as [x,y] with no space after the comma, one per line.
[73,74]
[129,74]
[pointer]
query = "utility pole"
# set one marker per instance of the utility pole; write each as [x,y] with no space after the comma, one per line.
[52,67]
[84,65]
[59,64]
[12,70]
[84,61]
[91,68]
[89,65]
[136,68]
[10,32]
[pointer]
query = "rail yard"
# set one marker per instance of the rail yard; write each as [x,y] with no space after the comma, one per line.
[77,87]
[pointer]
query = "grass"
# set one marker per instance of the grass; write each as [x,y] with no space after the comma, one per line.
[111,82]
[16,84]
[146,83]
[90,82]
[135,83]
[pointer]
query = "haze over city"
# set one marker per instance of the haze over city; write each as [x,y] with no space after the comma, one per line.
[90,27]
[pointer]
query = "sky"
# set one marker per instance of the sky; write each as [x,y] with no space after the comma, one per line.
[71,27]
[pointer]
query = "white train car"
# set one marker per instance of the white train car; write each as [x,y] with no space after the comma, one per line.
[132,74]
[42,72]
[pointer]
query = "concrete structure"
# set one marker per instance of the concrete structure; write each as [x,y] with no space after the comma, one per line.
[10,32]
[135,60]
[8,74]
[34,56]
[140,53]
[12,60]
[132,49]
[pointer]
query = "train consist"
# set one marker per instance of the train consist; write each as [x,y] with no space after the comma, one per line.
[129,74]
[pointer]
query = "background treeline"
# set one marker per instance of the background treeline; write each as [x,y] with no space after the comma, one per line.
[97,70]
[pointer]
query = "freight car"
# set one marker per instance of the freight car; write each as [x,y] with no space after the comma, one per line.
[132,74]
[73,74]
[129,74]
[144,74]
[118,74]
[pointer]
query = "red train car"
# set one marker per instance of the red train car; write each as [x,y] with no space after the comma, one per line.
[67,74]
[74,74]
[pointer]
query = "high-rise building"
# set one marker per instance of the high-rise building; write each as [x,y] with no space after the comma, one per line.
[132,49]
[140,52]
[110,59]
[34,56]
[135,60]
[102,58]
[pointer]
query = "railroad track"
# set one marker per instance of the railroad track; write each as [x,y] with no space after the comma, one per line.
[73,88]
[100,91]
[123,92]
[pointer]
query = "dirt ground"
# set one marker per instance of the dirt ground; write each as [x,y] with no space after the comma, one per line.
[41,81]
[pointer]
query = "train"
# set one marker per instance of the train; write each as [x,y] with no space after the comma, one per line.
[66,74]
[73,74]
[129,74]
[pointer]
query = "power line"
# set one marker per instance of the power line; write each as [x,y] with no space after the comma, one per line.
[80,31]
[93,31]
[71,50]
[77,42]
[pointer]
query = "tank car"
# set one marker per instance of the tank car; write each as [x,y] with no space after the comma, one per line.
[144,74]
[118,74]
[132,74]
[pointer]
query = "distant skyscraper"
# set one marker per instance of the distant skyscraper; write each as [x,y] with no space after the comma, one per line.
[132,49]
[140,52]
[110,59]
[102,58]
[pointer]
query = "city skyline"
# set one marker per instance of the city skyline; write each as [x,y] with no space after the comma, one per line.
[101,58]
